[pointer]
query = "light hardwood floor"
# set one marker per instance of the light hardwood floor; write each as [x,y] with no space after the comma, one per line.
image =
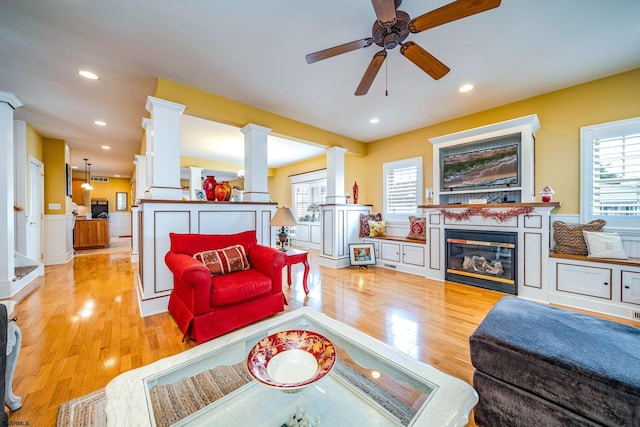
[81,324]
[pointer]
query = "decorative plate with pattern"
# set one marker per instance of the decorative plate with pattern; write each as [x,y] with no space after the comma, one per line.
[291,359]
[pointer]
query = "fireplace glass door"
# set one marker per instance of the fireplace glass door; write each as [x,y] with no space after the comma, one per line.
[482,258]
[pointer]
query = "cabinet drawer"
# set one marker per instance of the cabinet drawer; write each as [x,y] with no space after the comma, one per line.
[413,255]
[390,251]
[578,279]
[631,287]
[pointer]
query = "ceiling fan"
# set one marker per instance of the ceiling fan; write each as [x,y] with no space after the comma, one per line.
[392,27]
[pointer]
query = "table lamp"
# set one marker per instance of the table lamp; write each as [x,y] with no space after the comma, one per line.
[283,218]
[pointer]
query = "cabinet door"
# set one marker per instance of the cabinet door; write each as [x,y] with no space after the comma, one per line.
[316,234]
[579,279]
[413,255]
[631,287]
[77,192]
[390,251]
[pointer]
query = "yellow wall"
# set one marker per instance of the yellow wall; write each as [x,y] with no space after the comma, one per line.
[108,190]
[213,107]
[355,167]
[55,157]
[557,146]
[34,144]
[34,147]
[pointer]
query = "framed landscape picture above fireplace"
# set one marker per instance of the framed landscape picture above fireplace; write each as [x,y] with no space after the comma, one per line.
[489,164]
[493,163]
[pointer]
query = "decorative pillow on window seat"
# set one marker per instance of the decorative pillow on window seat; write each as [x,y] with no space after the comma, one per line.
[417,228]
[569,238]
[377,229]
[364,222]
[225,260]
[604,245]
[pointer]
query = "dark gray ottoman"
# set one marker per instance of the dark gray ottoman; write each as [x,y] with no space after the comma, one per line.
[543,366]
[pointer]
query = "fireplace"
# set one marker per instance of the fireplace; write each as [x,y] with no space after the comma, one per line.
[487,259]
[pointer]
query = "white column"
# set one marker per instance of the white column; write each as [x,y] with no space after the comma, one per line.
[20,173]
[165,153]
[8,102]
[195,181]
[335,175]
[141,176]
[148,137]
[255,163]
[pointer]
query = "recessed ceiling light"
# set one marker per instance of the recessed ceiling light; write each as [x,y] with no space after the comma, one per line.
[465,88]
[74,167]
[106,147]
[374,121]
[99,123]
[88,75]
[117,176]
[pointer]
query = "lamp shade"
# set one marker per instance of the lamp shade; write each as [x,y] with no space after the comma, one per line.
[283,218]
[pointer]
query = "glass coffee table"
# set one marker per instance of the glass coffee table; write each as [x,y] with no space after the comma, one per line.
[371,384]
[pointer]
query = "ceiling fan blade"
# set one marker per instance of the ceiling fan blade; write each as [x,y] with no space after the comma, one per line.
[451,12]
[385,11]
[424,60]
[337,50]
[370,74]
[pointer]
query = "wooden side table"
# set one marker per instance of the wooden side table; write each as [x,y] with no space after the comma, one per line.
[295,256]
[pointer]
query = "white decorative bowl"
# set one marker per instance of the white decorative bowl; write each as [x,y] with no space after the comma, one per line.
[290,360]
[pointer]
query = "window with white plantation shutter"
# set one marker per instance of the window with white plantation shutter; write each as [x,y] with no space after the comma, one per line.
[308,192]
[402,188]
[611,173]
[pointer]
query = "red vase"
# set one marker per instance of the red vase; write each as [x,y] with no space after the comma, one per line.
[220,192]
[355,189]
[208,185]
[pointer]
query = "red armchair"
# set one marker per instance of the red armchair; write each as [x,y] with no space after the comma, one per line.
[206,306]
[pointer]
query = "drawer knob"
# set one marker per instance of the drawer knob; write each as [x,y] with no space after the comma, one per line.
[606,283]
[627,286]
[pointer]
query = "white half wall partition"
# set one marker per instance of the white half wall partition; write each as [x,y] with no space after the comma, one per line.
[159,218]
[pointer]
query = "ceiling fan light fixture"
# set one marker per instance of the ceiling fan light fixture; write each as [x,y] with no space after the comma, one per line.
[391,28]
[468,87]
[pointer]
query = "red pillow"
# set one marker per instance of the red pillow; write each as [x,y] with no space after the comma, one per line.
[224,261]
[417,228]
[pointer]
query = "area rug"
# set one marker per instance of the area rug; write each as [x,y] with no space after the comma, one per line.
[87,410]
[173,402]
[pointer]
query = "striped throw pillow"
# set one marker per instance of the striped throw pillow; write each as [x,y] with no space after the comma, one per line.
[225,260]
[569,238]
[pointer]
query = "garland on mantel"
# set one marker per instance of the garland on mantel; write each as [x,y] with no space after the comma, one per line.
[486,213]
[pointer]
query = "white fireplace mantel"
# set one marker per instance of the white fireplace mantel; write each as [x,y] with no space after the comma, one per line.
[533,241]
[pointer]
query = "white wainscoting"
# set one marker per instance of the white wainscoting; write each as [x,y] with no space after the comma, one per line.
[120,224]
[57,228]
[397,228]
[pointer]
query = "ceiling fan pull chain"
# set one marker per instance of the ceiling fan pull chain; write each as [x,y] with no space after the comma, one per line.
[386,78]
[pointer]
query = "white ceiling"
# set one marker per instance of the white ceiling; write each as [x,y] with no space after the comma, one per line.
[253,51]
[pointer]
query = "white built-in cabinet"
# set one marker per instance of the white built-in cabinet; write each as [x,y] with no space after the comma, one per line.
[308,235]
[400,255]
[631,287]
[604,286]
